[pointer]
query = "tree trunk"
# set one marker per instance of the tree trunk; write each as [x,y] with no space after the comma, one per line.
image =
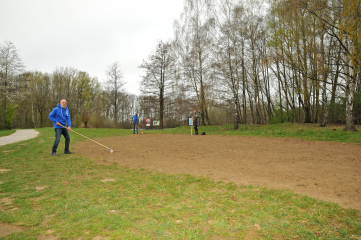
[4,104]
[350,100]
[325,109]
[32,114]
[306,93]
[236,117]
[324,90]
[161,108]
[244,88]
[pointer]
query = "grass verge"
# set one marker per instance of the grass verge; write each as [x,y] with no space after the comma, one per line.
[308,132]
[65,196]
[6,132]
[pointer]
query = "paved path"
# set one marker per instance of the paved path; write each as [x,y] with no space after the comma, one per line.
[19,135]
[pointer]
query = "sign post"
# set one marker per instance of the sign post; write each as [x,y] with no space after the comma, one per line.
[190,123]
[156,123]
[147,121]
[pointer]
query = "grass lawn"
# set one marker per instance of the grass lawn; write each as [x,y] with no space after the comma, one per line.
[308,132]
[6,132]
[65,196]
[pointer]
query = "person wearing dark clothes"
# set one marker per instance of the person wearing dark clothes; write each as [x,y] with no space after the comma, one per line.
[61,116]
[195,119]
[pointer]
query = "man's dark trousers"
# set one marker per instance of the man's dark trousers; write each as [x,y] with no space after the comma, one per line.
[196,129]
[135,127]
[58,132]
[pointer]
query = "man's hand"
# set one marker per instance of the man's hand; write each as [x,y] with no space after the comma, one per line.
[69,128]
[58,123]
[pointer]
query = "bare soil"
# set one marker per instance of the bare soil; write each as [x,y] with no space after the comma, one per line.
[7,229]
[323,170]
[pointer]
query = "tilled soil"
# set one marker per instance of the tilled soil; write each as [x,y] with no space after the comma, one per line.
[323,170]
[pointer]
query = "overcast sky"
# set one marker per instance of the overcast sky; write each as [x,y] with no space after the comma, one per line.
[88,35]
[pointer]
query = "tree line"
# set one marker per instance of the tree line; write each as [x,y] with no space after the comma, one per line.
[237,62]
[27,97]
[258,62]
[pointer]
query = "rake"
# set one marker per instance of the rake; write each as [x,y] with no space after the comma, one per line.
[111,150]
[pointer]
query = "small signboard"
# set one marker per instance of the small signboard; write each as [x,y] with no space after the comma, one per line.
[190,121]
[148,124]
[156,122]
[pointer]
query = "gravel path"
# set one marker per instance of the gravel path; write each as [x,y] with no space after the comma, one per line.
[19,135]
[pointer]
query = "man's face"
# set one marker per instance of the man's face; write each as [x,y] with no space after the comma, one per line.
[63,103]
[194,111]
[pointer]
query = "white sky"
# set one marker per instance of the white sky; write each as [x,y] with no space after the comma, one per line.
[88,35]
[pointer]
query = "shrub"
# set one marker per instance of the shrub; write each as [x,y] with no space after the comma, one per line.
[281,116]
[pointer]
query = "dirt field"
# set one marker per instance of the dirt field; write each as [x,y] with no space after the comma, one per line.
[323,170]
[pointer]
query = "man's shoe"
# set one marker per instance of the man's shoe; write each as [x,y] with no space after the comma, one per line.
[55,154]
[68,152]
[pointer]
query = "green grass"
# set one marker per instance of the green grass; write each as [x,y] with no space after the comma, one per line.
[145,205]
[6,132]
[308,132]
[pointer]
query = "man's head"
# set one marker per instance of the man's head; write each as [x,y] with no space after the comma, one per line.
[63,103]
[136,114]
[194,110]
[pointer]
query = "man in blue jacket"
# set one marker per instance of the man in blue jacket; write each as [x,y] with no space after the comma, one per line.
[61,116]
[135,122]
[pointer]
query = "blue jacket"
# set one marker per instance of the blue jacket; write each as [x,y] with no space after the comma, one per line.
[60,115]
[135,119]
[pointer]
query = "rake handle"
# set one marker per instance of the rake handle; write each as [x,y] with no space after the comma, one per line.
[85,137]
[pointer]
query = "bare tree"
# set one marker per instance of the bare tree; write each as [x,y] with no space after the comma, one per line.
[157,80]
[114,86]
[10,88]
[86,89]
[40,90]
[228,54]
[192,47]
[341,20]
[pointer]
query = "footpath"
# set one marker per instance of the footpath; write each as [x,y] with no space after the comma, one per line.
[19,135]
